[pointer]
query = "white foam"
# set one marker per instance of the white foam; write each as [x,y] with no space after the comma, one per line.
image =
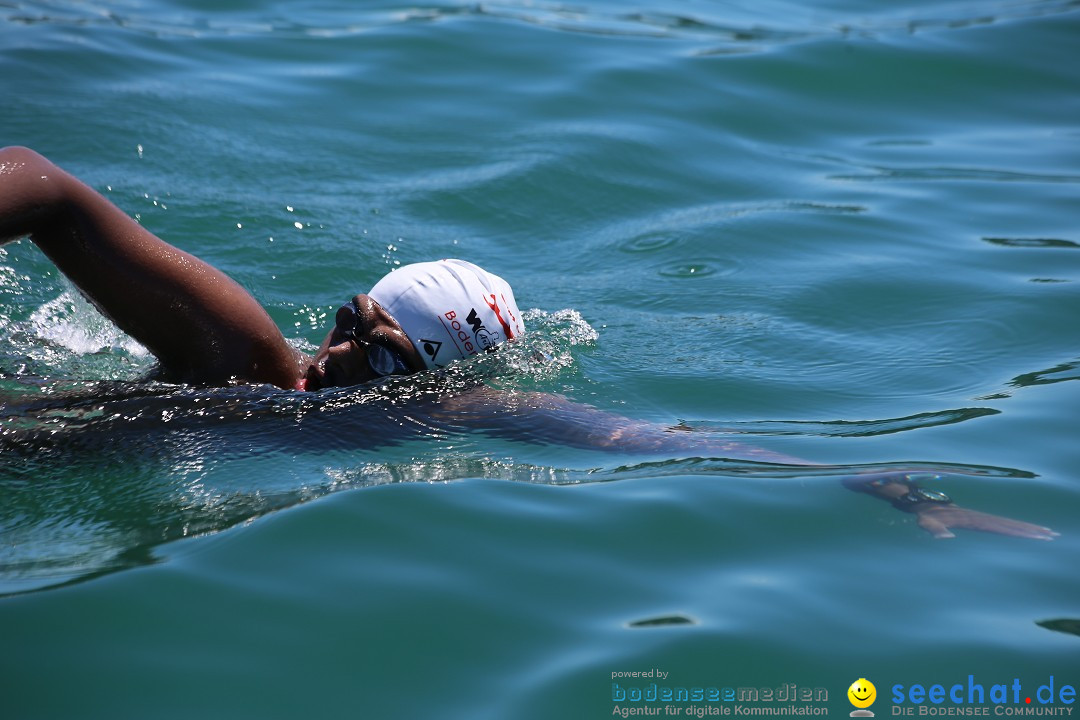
[73,323]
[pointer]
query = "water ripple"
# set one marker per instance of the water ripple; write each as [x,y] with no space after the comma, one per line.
[663,621]
[707,467]
[850,428]
[1070,626]
[934,174]
[662,230]
[682,270]
[1057,374]
[650,242]
[1032,242]
[737,31]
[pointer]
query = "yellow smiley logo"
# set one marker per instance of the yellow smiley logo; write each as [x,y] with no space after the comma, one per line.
[862,693]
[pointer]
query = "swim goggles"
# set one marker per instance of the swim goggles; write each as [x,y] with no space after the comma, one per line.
[917,496]
[383,360]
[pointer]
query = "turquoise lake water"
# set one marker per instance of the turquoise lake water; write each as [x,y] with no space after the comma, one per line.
[840,230]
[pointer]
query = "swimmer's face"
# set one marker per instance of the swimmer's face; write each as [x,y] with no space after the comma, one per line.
[344,358]
[862,693]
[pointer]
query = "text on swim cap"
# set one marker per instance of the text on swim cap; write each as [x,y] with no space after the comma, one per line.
[480,337]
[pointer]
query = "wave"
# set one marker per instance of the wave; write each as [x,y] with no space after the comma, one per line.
[1040,243]
[72,516]
[850,428]
[937,174]
[725,30]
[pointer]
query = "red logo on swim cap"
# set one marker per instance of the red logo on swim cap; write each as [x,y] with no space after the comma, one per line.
[494,305]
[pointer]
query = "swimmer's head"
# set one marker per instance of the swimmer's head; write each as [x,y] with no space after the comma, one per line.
[417,318]
[449,309]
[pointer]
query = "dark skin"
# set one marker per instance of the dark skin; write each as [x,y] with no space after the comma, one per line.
[200,324]
[204,328]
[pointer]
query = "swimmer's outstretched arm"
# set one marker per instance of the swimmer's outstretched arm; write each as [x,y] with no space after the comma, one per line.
[939,516]
[550,418]
[201,325]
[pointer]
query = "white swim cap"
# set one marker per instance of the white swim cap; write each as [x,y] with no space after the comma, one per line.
[450,309]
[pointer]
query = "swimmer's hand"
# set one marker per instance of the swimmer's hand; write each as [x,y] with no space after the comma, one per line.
[937,514]
[940,520]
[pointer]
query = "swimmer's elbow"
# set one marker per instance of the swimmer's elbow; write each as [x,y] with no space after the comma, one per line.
[32,191]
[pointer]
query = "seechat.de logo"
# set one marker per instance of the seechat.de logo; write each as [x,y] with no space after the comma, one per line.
[862,695]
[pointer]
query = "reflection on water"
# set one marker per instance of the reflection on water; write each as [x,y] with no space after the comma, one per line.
[1063,625]
[730,30]
[92,480]
[663,621]
[94,474]
[1032,242]
[1058,373]
[855,428]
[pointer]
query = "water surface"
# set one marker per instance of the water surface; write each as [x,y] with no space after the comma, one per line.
[843,231]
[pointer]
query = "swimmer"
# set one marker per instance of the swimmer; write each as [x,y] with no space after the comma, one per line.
[205,328]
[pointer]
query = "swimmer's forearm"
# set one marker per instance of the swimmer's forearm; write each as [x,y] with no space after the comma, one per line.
[936,512]
[633,436]
[544,418]
[547,418]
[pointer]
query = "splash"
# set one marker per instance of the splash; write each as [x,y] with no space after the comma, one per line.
[548,346]
[67,337]
[70,322]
